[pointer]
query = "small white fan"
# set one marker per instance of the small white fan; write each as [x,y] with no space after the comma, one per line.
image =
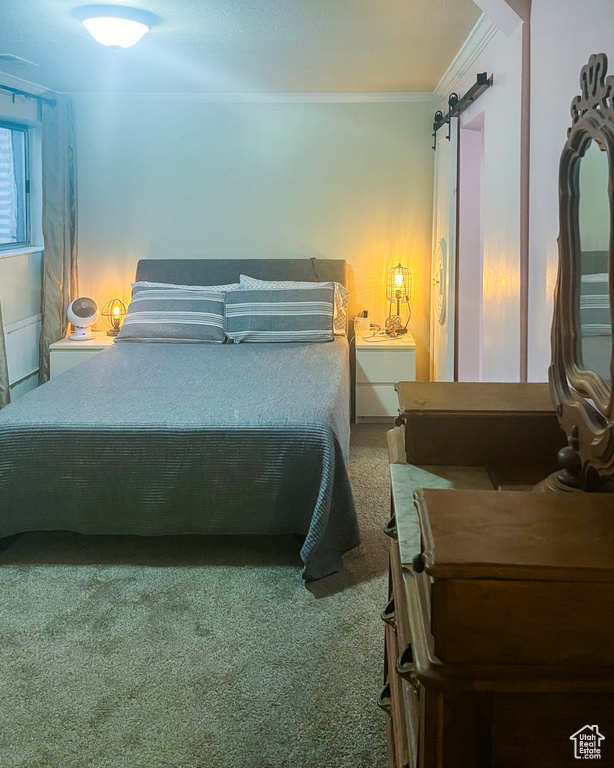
[82,313]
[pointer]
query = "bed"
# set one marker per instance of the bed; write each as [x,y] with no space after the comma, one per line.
[156,439]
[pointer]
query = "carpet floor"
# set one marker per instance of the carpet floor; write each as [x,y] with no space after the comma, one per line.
[195,652]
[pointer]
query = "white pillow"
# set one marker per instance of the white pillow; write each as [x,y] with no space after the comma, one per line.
[229,287]
[340,320]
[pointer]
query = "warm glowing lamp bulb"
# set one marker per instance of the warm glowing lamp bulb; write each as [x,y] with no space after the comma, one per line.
[398,278]
[113,313]
[120,33]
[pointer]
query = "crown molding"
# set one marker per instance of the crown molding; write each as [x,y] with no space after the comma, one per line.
[267,98]
[479,37]
[507,15]
[25,85]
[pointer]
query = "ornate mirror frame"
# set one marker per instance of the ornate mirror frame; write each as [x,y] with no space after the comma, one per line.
[584,403]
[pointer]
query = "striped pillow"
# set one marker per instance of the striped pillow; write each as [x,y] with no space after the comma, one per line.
[280,315]
[174,314]
[341,296]
[227,287]
[595,305]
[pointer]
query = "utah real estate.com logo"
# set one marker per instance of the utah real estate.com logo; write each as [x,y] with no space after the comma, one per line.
[587,743]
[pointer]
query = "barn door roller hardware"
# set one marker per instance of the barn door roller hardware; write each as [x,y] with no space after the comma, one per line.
[456,105]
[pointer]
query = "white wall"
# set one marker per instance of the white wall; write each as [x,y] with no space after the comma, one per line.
[179,178]
[564,34]
[501,108]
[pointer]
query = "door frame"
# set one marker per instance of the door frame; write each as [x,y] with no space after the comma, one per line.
[451,255]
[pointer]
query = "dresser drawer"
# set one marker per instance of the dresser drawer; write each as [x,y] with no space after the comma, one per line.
[483,424]
[400,606]
[522,622]
[519,577]
[385,365]
[399,638]
[400,737]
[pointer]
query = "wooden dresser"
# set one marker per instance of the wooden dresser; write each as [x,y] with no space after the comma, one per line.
[500,626]
[511,429]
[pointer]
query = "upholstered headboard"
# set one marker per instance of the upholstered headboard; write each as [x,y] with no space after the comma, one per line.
[221,271]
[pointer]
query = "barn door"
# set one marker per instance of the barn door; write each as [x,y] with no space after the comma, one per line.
[443,259]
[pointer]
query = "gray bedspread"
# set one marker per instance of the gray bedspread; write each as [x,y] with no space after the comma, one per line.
[155,439]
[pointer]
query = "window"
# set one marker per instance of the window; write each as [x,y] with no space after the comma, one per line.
[14,186]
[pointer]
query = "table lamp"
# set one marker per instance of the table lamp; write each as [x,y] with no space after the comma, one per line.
[398,291]
[113,314]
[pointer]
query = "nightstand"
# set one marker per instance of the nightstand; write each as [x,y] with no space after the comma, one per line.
[67,353]
[381,362]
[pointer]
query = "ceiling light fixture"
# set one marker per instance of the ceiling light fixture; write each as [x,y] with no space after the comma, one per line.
[115,25]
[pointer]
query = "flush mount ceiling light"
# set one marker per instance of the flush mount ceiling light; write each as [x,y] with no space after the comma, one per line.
[115,25]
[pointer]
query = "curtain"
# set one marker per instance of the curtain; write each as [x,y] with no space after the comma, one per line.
[59,160]
[5,393]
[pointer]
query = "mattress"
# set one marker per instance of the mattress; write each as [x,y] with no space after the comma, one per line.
[154,439]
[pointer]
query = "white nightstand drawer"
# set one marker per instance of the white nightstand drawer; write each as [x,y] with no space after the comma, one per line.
[63,360]
[381,362]
[65,354]
[385,365]
[376,400]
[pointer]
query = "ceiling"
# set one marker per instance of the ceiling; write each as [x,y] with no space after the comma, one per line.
[244,46]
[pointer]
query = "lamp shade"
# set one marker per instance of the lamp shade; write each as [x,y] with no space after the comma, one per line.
[121,33]
[115,26]
[398,284]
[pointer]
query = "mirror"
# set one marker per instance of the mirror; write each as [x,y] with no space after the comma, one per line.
[580,372]
[595,326]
